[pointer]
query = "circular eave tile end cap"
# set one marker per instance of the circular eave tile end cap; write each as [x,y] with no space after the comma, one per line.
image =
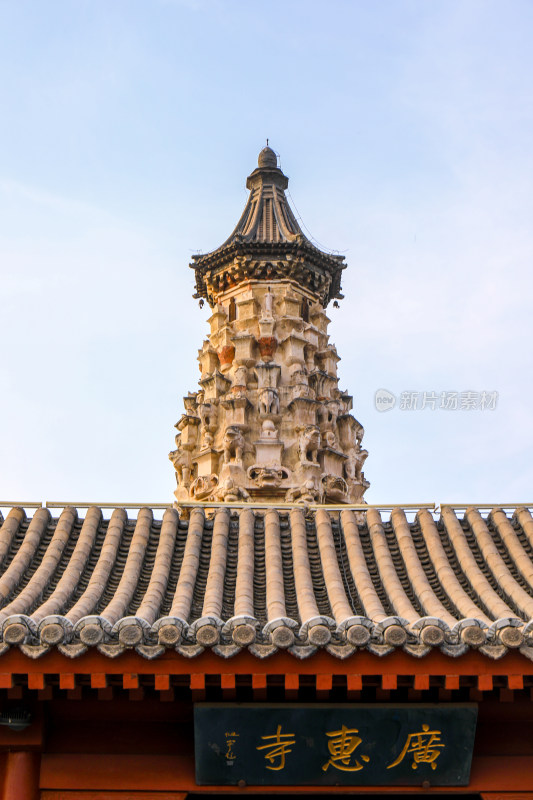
[15,633]
[395,636]
[432,635]
[282,637]
[511,637]
[169,635]
[358,635]
[52,634]
[91,634]
[473,636]
[207,635]
[319,635]
[130,635]
[243,635]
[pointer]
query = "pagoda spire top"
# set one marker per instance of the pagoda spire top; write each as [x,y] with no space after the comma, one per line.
[269,237]
[267,157]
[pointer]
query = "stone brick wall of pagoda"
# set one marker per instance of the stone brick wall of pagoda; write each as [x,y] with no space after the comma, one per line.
[269,420]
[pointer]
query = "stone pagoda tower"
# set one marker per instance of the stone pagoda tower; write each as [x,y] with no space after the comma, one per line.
[268,421]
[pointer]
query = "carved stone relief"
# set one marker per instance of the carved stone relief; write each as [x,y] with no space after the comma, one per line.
[269,419]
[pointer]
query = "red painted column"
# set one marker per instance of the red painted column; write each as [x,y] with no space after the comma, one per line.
[22,776]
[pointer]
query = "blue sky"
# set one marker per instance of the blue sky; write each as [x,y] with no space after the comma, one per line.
[128,130]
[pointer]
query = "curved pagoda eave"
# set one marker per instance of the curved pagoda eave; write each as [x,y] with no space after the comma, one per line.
[280,260]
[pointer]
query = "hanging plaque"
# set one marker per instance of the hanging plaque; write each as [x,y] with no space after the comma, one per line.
[350,744]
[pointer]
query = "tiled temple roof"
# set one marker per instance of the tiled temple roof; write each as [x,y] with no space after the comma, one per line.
[295,579]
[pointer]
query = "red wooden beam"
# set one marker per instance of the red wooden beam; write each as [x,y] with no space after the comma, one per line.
[227,684]
[354,683]
[507,795]
[99,680]
[389,682]
[485,683]
[144,772]
[6,680]
[67,680]
[198,686]
[259,681]
[21,780]
[130,680]
[421,683]
[227,681]
[451,682]
[99,795]
[259,686]
[292,684]
[324,685]
[322,663]
[35,680]
[162,683]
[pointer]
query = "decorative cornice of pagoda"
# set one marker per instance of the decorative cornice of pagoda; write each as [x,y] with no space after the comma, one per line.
[241,262]
[266,233]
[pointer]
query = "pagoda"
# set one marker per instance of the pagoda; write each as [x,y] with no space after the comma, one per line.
[269,420]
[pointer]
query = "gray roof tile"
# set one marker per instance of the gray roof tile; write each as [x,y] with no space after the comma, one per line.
[275,579]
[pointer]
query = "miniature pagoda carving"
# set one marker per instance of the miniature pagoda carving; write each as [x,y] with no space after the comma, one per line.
[268,420]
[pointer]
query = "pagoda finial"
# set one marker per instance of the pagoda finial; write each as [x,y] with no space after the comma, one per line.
[267,157]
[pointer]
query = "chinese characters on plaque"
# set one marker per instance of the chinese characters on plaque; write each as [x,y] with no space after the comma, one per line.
[422,744]
[334,744]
